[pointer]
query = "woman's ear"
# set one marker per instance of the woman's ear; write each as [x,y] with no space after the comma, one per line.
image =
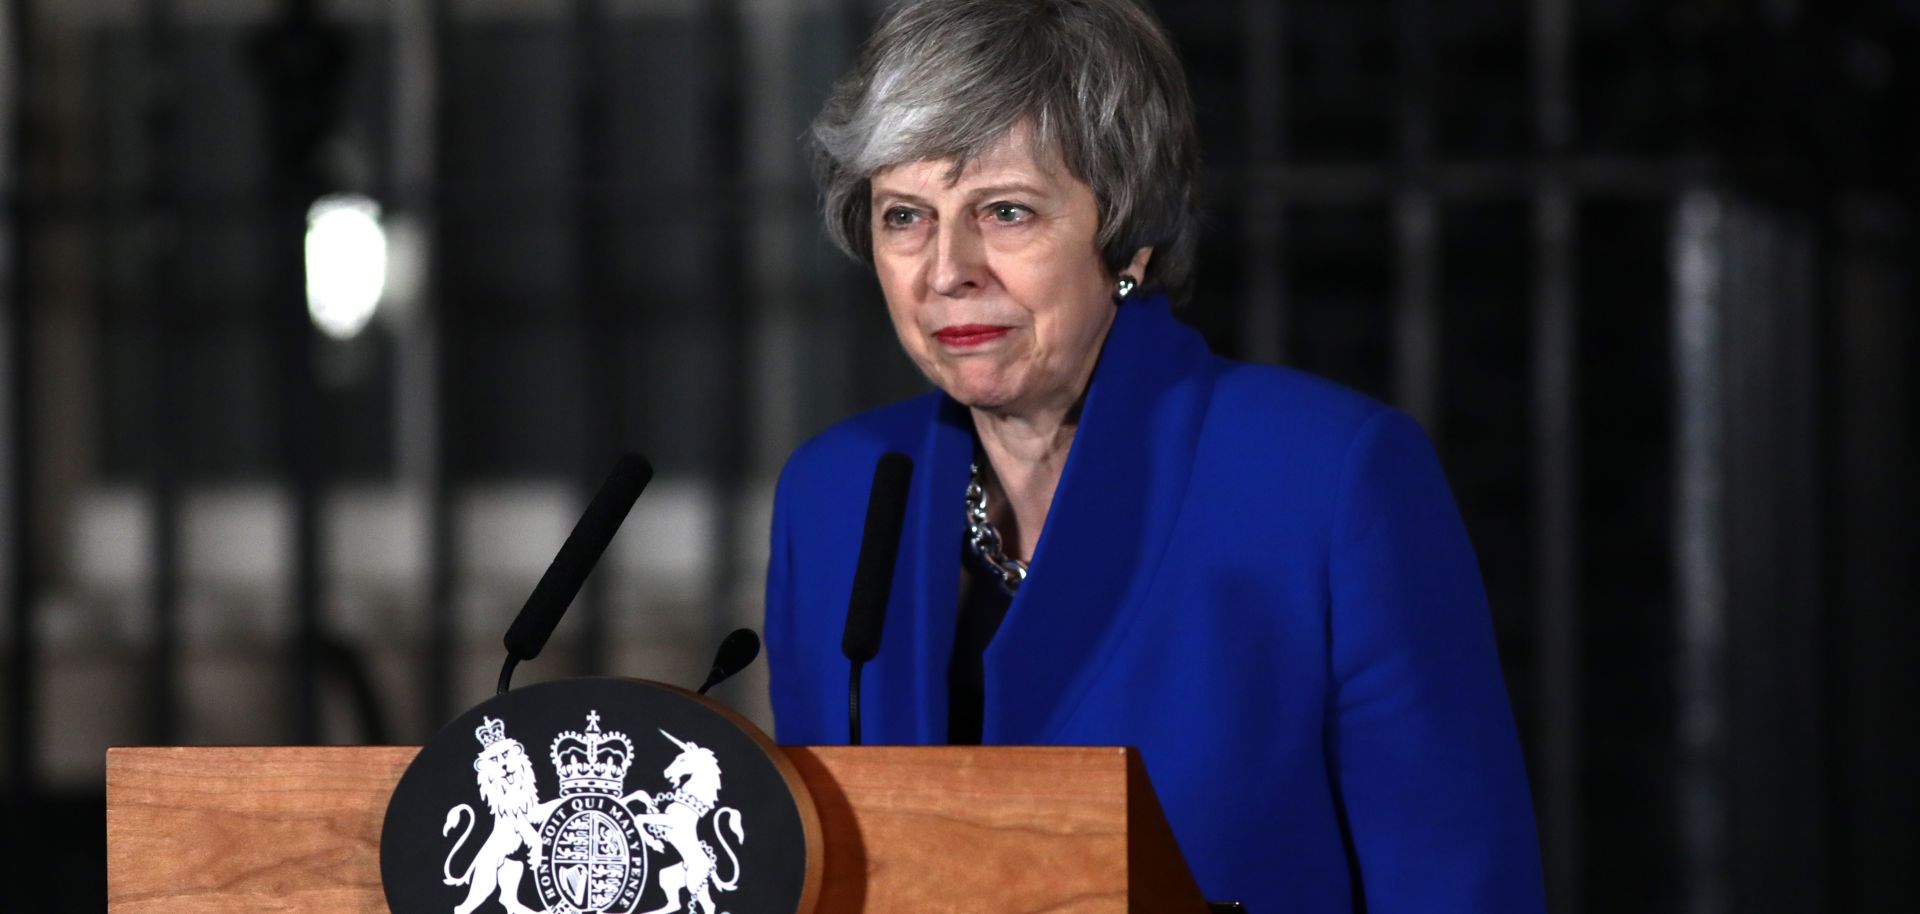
[1137,268]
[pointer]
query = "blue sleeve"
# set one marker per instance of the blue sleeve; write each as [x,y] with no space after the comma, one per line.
[1421,738]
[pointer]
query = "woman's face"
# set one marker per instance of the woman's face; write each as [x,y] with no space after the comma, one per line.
[994,281]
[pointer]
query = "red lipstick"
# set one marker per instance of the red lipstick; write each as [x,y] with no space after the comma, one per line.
[965,335]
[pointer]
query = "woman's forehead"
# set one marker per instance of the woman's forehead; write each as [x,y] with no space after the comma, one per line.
[1013,159]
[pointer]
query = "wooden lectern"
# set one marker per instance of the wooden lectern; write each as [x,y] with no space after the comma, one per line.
[907,830]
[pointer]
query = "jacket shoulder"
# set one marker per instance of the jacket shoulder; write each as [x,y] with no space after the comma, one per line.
[844,453]
[1290,441]
[1269,406]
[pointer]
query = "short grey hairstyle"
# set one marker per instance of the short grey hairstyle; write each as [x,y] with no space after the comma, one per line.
[1096,81]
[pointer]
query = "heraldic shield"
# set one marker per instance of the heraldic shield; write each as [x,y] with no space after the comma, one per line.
[645,805]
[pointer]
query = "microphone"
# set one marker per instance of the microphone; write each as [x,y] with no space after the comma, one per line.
[873,577]
[556,590]
[736,652]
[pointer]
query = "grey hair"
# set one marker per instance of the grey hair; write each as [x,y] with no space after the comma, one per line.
[1096,81]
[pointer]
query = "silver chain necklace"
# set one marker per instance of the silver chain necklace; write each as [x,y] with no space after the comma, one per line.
[984,540]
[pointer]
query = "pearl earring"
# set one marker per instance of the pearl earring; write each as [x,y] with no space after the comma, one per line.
[1124,286]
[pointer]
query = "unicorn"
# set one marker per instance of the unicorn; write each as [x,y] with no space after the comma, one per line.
[675,818]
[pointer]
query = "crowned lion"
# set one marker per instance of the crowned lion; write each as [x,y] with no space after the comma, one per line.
[506,781]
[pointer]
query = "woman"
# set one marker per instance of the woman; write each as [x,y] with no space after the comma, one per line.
[1115,537]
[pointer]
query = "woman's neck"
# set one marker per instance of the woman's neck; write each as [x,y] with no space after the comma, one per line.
[1026,455]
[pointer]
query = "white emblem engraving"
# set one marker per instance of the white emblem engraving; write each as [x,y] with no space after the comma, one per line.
[505,777]
[675,817]
[594,861]
[587,848]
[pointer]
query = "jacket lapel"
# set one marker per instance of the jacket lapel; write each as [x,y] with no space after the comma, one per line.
[940,488]
[1112,516]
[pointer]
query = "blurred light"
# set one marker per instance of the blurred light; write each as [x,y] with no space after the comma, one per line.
[406,265]
[346,263]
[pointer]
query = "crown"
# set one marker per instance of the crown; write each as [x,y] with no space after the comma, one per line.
[592,762]
[489,732]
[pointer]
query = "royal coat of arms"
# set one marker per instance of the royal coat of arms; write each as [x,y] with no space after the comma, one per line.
[586,850]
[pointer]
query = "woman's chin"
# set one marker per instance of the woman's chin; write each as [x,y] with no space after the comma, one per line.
[991,402]
[976,383]
[981,395]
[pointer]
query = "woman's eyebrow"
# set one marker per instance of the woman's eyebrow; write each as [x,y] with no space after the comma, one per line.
[883,195]
[1016,188]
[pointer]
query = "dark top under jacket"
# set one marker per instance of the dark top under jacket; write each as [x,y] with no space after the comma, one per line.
[983,603]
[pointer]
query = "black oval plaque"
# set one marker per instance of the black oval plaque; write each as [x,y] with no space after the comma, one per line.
[599,796]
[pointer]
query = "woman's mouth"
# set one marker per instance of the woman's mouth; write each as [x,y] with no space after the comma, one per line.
[968,335]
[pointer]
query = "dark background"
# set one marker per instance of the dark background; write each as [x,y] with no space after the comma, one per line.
[1645,271]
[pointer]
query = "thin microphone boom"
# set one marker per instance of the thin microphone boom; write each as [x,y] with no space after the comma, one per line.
[736,651]
[873,577]
[557,588]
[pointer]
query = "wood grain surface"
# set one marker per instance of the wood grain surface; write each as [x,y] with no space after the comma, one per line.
[968,829]
[907,829]
[248,829]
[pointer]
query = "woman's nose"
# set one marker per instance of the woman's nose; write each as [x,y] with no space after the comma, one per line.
[958,262]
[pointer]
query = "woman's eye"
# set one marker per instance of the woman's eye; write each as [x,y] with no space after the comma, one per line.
[899,217]
[1009,212]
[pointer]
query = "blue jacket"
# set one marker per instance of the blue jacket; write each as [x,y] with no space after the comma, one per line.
[1256,577]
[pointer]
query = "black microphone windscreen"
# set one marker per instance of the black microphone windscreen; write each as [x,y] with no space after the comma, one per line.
[555,592]
[736,651]
[873,577]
